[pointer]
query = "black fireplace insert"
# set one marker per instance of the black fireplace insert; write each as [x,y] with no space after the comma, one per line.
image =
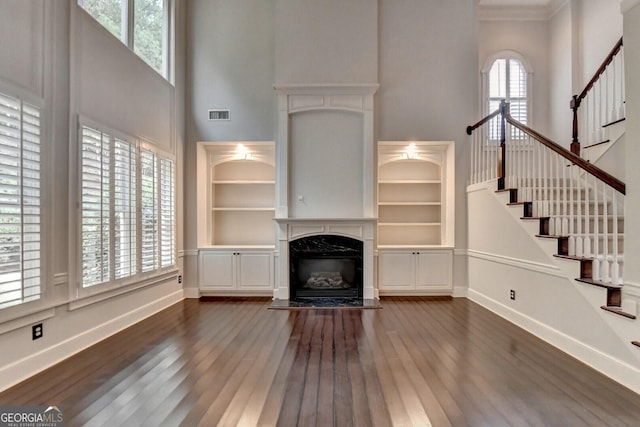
[325,266]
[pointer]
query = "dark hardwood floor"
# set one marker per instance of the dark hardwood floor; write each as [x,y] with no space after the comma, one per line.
[415,362]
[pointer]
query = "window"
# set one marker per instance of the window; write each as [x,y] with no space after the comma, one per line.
[127,209]
[506,78]
[140,24]
[20,275]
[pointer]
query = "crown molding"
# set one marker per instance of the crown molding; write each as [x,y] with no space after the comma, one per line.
[511,11]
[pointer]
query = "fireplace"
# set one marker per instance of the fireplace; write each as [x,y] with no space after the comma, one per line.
[325,266]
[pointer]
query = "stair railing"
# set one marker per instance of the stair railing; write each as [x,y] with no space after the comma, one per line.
[580,202]
[602,101]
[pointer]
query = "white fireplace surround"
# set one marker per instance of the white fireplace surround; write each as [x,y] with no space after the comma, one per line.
[360,222]
[294,228]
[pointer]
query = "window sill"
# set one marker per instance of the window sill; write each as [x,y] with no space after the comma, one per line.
[88,300]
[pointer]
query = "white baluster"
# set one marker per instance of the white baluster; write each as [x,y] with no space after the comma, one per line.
[622,113]
[596,232]
[586,244]
[605,272]
[614,95]
[579,216]
[615,265]
[572,238]
[565,200]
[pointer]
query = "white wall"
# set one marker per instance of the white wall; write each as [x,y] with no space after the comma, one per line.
[111,85]
[329,41]
[530,39]
[428,69]
[632,158]
[561,65]
[600,27]
[325,165]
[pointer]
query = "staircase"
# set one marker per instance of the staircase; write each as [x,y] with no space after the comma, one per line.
[571,204]
[574,212]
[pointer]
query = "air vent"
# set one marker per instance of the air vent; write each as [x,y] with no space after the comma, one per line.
[219,114]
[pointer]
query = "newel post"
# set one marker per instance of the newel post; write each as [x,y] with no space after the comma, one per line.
[502,153]
[575,143]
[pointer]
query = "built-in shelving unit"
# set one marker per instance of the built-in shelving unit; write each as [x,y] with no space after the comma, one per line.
[241,194]
[236,210]
[242,198]
[415,217]
[412,194]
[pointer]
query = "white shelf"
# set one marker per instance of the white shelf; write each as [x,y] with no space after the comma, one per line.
[409,203]
[243,182]
[410,181]
[409,224]
[243,209]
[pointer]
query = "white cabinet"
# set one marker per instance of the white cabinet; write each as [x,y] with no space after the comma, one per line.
[227,271]
[418,271]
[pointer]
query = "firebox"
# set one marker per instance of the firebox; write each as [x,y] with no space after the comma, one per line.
[325,266]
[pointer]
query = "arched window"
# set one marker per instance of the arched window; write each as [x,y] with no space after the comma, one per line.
[506,75]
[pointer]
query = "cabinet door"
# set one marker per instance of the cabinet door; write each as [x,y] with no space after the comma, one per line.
[217,270]
[255,271]
[396,271]
[433,270]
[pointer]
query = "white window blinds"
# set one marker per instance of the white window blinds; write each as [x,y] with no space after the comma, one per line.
[127,209]
[20,275]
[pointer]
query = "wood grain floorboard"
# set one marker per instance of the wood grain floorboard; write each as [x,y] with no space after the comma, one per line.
[416,361]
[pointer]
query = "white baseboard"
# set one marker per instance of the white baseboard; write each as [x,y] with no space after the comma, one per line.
[619,371]
[22,369]
[191,293]
[460,292]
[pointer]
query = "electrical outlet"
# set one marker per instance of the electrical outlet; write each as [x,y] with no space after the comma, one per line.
[512,294]
[37,331]
[180,279]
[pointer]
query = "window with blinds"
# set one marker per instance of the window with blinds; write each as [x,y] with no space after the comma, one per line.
[127,209]
[507,80]
[20,238]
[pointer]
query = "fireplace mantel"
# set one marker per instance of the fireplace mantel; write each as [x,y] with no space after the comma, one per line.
[325,131]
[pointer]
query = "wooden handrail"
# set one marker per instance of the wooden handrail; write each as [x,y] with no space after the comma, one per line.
[590,168]
[471,128]
[576,100]
[599,72]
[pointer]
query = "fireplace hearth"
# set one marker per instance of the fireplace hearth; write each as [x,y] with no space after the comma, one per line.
[325,266]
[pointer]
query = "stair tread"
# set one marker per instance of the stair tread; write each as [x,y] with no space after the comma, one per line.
[503,190]
[599,283]
[618,311]
[535,217]
[551,236]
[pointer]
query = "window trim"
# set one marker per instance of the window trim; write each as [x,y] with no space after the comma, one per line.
[140,278]
[128,29]
[506,54]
